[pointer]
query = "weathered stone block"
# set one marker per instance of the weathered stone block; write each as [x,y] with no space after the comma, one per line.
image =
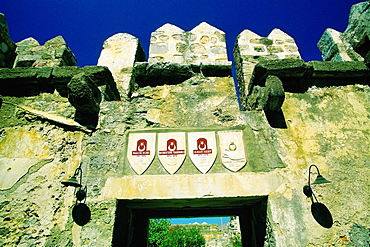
[161,73]
[85,96]
[45,73]
[102,76]
[18,73]
[274,93]
[347,69]
[279,67]
[20,82]
[62,75]
[216,70]
[119,54]
[53,53]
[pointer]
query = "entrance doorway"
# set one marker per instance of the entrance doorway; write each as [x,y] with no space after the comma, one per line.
[132,216]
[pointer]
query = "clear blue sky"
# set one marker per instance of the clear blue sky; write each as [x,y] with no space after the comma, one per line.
[85,24]
[200,220]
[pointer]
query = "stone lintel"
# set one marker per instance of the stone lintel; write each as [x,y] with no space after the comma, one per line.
[319,70]
[298,76]
[345,69]
[173,73]
[171,187]
[279,67]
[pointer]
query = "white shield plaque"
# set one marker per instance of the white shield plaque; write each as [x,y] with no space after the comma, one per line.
[202,149]
[141,150]
[171,150]
[232,149]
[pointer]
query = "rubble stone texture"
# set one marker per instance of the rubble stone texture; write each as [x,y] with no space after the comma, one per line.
[204,44]
[301,113]
[119,54]
[53,53]
[335,49]
[250,48]
[351,45]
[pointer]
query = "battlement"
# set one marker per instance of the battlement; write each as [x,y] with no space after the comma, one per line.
[176,55]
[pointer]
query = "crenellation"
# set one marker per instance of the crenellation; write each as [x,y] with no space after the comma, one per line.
[55,52]
[207,45]
[204,44]
[167,44]
[119,54]
[334,48]
[250,49]
[357,32]
[283,45]
[354,43]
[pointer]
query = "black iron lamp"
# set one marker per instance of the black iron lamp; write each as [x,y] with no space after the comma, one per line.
[81,213]
[319,211]
[81,192]
[307,190]
[73,180]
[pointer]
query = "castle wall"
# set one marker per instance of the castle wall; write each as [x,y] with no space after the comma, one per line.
[326,123]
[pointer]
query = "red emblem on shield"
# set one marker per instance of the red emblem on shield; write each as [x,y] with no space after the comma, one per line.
[172,148]
[202,147]
[141,148]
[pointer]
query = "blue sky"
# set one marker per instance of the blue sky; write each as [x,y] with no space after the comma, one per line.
[85,24]
[200,220]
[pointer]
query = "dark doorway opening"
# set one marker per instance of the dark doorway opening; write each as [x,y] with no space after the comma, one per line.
[132,216]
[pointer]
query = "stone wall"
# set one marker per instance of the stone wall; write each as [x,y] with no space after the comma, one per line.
[53,53]
[250,49]
[204,44]
[298,114]
[119,54]
[353,44]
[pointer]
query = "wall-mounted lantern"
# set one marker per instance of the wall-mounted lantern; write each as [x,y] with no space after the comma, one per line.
[307,190]
[81,213]
[319,211]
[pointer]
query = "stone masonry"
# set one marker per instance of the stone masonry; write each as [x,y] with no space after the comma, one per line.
[353,44]
[165,137]
[204,44]
[250,48]
[119,54]
[54,52]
